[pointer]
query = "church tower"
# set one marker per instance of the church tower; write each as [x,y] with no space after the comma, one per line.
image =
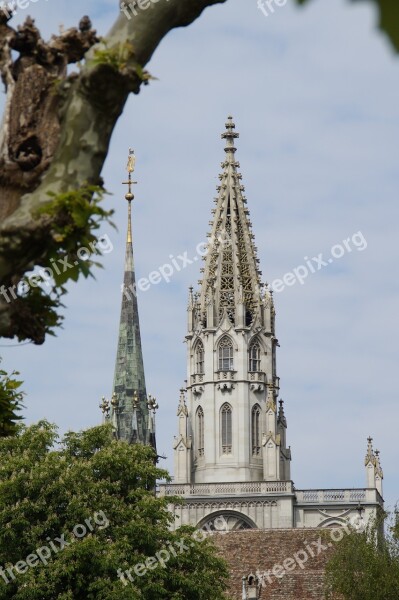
[230,426]
[132,412]
[232,463]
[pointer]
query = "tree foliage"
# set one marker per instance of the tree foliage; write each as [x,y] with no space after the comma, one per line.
[71,243]
[388,18]
[10,403]
[46,493]
[365,564]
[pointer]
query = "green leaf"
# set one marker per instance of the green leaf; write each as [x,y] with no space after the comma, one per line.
[10,403]
[388,18]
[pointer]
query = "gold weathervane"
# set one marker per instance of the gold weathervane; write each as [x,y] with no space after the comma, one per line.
[131,161]
[131,164]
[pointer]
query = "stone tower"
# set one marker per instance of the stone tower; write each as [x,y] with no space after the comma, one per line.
[231,428]
[232,463]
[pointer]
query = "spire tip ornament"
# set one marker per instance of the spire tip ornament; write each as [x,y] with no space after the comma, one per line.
[131,161]
[131,165]
[230,135]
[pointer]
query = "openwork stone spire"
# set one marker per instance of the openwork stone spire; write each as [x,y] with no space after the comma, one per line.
[231,274]
[129,408]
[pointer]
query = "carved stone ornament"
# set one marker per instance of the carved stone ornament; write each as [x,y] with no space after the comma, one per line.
[226,387]
[257,387]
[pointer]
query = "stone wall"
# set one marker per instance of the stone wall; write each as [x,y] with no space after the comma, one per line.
[259,551]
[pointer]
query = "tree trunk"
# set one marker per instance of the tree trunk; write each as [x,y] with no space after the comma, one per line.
[56,129]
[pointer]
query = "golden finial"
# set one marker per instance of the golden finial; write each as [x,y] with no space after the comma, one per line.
[131,164]
[131,161]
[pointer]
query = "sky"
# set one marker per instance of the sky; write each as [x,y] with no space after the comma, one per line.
[314,93]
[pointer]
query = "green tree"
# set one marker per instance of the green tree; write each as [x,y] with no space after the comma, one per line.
[107,487]
[10,403]
[365,564]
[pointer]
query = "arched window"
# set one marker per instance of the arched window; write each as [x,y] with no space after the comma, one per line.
[200,431]
[226,354]
[254,357]
[226,428]
[199,359]
[255,430]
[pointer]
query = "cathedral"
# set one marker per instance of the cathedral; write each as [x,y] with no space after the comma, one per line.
[231,453]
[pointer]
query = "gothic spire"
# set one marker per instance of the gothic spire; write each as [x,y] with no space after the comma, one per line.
[231,281]
[378,467]
[281,414]
[129,412]
[370,456]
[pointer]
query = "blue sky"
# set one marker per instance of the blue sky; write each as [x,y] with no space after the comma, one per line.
[315,96]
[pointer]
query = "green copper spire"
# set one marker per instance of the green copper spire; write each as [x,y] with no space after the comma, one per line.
[130,412]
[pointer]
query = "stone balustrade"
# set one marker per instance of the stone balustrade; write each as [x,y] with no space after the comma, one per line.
[216,489]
